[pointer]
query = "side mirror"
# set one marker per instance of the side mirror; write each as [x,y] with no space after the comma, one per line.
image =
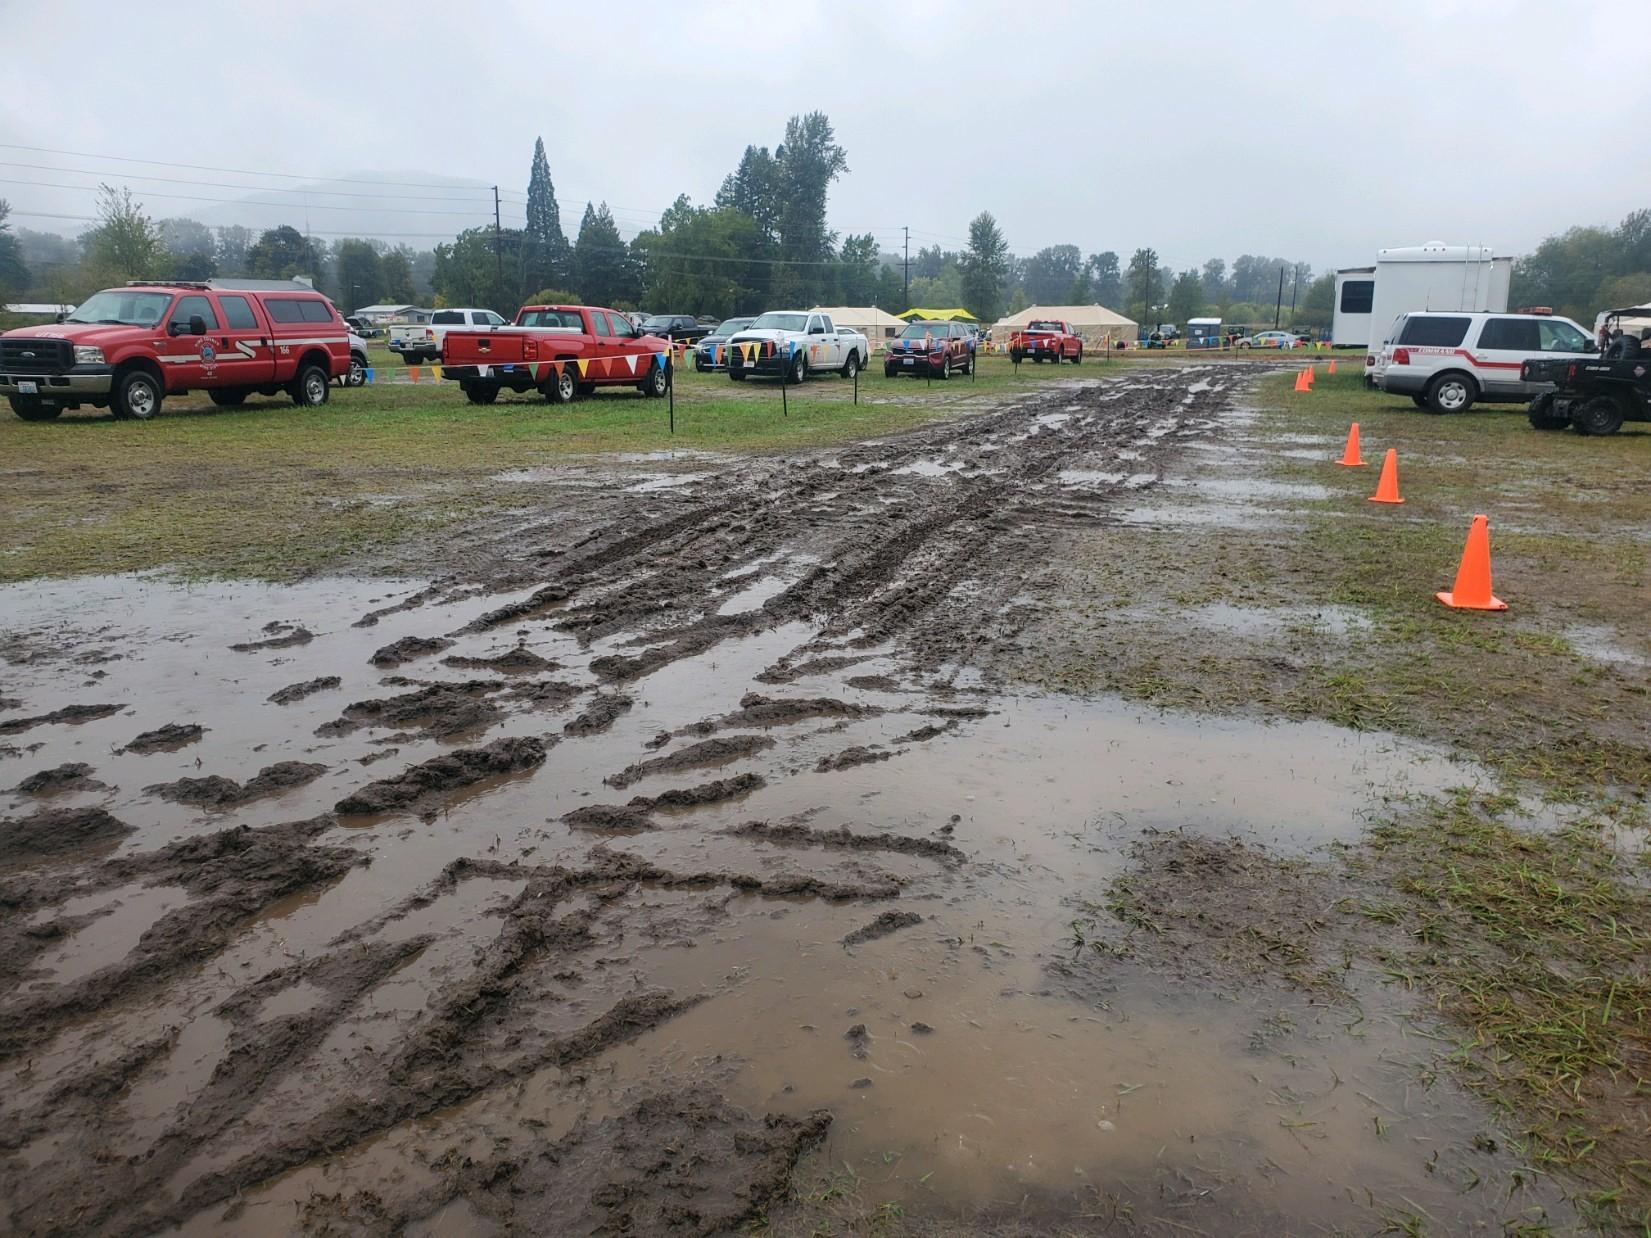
[62,316]
[197,325]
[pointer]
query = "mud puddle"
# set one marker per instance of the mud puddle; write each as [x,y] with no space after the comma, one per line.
[467,1011]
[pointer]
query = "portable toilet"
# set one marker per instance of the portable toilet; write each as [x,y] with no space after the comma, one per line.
[1204,333]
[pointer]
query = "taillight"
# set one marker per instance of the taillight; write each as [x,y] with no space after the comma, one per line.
[1401,356]
[530,349]
[1570,372]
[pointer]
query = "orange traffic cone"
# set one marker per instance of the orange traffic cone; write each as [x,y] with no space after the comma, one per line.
[1310,370]
[1472,590]
[1350,454]
[1332,365]
[1301,380]
[1387,486]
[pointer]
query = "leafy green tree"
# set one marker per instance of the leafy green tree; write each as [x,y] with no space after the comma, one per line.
[929,261]
[126,244]
[695,262]
[1082,289]
[754,189]
[1214,279]
[359,274]
[553,296]
[1145,289]
[230,248]
[1109,280]
[1050,273]
[857,276]
[809,161]
[601,259]
[1186,297]
[1317,307]
[547,256]
[985,269]
[469,271]
[1621,291]
[395,273]
[14,272]
[284,253]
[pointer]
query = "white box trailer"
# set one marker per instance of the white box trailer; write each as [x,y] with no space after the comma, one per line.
[1350,315]
[1435,276]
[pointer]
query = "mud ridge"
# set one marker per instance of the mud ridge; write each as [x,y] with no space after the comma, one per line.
[298,691]
[165,738]
[717,751]
[408,648]
[72,715]
[442,709]
[517,661]
[217,792]
[759,710]
[54,831]
[794,834]
[70,776]
[848,758]
[287,640]
[888,922]
[417,785]
[638,813]
[604,710]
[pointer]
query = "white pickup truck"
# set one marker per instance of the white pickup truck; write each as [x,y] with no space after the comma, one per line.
[421,341]
[792,344]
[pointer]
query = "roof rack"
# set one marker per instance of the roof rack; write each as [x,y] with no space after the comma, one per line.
[166,283]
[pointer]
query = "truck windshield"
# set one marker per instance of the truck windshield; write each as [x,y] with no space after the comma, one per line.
[731,326]
[118,307]
[780,322]
[917,330]
[658,322]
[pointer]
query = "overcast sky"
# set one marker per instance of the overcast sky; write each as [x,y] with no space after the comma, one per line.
[1294,130]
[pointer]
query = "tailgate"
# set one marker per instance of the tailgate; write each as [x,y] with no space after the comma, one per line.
[502,347]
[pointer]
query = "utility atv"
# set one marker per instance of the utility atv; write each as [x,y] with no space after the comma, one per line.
[1594,395]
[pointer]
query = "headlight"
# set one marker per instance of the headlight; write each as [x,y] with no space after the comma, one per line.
[85,354]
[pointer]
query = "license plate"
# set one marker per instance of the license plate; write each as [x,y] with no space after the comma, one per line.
[25,387]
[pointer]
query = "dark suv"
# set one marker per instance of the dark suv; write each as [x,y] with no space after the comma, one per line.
[678,328]
[932,349]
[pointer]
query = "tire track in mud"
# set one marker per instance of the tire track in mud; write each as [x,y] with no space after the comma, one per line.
[920,542]
[892,531]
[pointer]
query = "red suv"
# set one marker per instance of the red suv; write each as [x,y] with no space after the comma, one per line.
[129,348]
[931,348]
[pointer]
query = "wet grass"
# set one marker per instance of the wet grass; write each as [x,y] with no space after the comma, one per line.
[275,492]
[1536,945]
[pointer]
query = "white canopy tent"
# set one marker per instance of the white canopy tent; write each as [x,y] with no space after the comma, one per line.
[1098,325]
[878,326]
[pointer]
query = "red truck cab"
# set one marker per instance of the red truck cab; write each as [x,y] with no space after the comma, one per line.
[1046,339]
[129,348]
[559,350]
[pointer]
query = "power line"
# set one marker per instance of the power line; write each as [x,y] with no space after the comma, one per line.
[198,167]
[241,202]
[174,180]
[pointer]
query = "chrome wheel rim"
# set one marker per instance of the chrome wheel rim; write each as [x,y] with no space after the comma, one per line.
[140,399]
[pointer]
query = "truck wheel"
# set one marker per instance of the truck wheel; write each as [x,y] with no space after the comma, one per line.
[480,393]
[737,376]
[357,376]
[799,369]
[851,366]
[138,395]
[228,397]
[946,367]
[30,409]
[1600,415]
[311,388]
[1543,416]
[1420,401]
[1451,393]
[1077,358]
[1037,358]
[969,365]
[657,383]
[562,388]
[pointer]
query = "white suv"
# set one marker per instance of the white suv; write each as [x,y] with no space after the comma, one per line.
[1446,361]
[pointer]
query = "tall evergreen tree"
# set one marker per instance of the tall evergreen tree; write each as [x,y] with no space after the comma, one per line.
[985,268]
[601,260]
[547,258]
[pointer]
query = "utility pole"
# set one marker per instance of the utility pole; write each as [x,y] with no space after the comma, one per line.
[1278,309]
[1295,289]
[498,241]
[908,267]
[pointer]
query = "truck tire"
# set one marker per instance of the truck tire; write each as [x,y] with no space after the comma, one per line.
[657,383]
[946,368]
[479,392]
[1077,358]
[1420,401]
[563,387]
[969,365]
[1542,415]
[1451,392]
[1600,415]
[737,376]
[30,409]
[799,369]
[357,377]
[311,387]
[228,397]
[851,365]
[137,395]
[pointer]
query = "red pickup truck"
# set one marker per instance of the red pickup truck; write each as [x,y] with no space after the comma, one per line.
[1047,340]
[560,350]
[129,348]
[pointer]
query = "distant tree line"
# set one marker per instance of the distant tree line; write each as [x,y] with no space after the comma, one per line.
[762,241]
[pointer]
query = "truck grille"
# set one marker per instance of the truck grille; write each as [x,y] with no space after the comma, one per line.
[36,356]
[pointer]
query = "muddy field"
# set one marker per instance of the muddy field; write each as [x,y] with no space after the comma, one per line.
[683,853]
